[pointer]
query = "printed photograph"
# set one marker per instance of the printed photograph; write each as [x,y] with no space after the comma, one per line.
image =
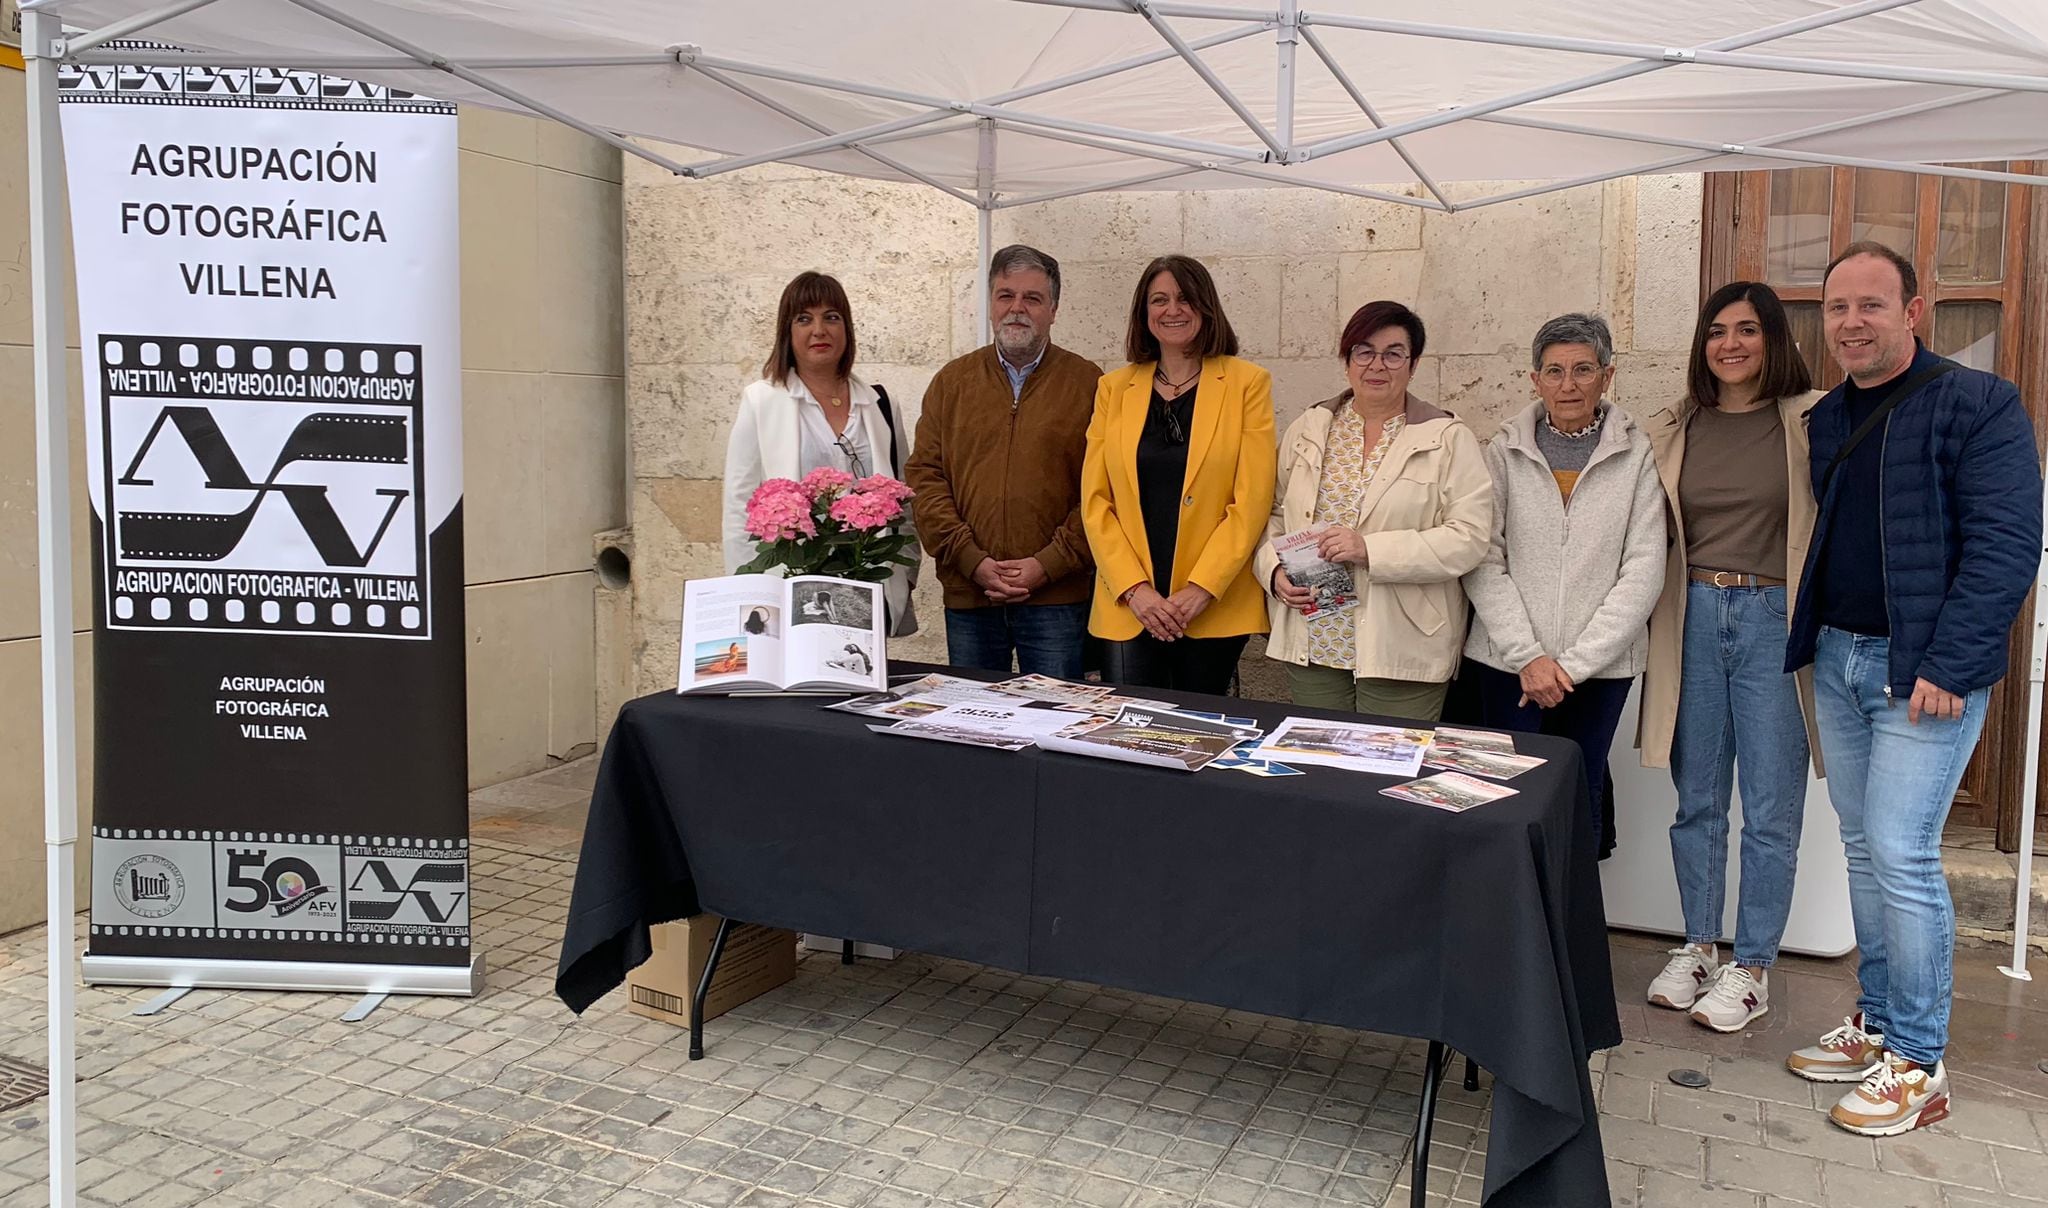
[852,658]
[1333,740]
[831,604]
[761,621]
[1497,764]
[721,656]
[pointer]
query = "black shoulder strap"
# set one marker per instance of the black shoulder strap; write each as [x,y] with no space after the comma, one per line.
[895,441]
[1898,394]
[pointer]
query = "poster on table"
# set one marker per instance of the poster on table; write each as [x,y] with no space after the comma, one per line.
[268,305]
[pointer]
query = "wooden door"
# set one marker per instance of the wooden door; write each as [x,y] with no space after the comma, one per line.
[1979,248]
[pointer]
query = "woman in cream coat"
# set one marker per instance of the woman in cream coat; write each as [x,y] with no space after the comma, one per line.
[1718,707]
[1401,490]
[810,409]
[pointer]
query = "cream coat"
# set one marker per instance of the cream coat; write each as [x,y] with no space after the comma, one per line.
[1427,518]
[1659,714]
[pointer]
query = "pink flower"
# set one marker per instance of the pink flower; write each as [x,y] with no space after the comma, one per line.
[864,511]
[780,510]
[825,481]
[882,484]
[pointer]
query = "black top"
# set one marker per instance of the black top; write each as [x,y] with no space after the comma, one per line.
[1849,586]
[1162,479]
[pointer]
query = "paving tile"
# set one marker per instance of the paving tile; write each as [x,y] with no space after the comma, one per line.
[1848,1187]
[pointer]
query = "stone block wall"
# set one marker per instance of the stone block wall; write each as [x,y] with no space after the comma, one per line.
[706,261]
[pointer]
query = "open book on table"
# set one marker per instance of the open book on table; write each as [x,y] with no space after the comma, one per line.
[761,633]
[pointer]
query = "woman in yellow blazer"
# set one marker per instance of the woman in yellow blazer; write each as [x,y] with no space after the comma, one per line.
[1175,489]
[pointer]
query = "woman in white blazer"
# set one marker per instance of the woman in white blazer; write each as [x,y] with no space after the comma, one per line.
[809,410]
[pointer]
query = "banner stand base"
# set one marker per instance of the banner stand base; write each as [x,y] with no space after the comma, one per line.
[330,977]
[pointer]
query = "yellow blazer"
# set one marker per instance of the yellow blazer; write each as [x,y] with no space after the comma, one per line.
[1224,502]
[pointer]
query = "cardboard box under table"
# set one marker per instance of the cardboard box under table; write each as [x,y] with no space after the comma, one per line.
[756,960]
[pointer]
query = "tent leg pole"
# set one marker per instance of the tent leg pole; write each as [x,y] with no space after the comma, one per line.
[2030,775]
[984,204]
[53,545]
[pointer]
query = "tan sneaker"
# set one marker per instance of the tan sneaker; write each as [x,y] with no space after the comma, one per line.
[1847,1054]
[1898,1096]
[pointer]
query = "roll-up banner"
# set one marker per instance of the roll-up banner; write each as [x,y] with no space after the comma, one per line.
[268,305]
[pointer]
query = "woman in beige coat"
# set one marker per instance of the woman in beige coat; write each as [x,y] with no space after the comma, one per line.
[1400,494]
[1717,703]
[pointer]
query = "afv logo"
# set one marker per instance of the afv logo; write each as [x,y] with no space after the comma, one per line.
[416,893]
[211,536]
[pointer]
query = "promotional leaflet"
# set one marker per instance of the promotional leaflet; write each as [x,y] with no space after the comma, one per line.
[1003,727]
[1457,738]
[922,697]
[1159,737]
[1053,691]
[752,633]
[1334,586]
[1500,765]
[1353,746]
[1453,791]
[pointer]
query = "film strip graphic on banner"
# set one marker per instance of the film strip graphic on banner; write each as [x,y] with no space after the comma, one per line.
[259,87]
[260,485]
[264,886]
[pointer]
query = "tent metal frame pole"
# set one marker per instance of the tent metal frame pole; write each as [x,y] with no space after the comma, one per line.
[1821,20]
[1207,75]
[126,26]
[1198,12]
[976,108]
[2030,778]
[1198,165]
[1092,74]
[1683,161]
[985,200]
[428,58]
[50,274]
[1343,78]
[1111,186]
[830,142]
[1286,38]
[1767,152]
[767,102]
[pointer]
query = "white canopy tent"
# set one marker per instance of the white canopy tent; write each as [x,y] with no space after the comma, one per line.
[1004,103]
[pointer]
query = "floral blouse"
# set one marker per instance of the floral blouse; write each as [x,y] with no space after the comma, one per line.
[1348,469]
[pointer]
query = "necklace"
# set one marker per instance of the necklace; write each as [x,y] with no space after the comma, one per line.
[1170,384]
[1599,417]
[829,398]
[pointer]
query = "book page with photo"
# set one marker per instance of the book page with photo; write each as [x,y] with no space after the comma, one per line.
[756,633]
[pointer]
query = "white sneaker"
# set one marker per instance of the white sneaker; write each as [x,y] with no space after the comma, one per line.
[1898,1096]
[1684,978]
[1736,998]
[1847,1054]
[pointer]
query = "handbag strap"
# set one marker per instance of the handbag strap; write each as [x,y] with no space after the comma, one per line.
[1899,393]
[895,441]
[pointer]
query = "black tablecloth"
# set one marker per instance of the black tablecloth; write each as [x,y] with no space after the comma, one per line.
[1311,897]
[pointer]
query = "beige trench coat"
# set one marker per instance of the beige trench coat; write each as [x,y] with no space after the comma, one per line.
[1658,717]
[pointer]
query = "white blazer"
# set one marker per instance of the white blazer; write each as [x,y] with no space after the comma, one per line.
[766,443]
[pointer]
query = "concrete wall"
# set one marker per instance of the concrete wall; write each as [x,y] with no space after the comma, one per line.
[544,439]
[706,261]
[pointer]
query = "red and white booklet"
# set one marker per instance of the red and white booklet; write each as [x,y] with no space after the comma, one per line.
[1332,582]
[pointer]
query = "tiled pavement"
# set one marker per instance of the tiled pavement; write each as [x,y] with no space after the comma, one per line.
[925,1082]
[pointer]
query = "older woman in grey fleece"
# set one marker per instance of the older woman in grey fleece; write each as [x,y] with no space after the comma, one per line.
[1562,598]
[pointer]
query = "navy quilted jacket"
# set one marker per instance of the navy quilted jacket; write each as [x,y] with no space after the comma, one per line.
[1961,526]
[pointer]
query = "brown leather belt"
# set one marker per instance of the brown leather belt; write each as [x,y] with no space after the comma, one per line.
[1729,578]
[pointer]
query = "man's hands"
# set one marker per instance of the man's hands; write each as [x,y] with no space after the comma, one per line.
[1930,701]
[1544,682]
[1010,581]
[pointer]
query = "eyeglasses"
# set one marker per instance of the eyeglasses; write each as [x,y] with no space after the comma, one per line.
[1363,355]
[1584,375]
[854,465]
[1174,432]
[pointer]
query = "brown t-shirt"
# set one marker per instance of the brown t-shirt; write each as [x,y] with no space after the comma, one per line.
[1733,492]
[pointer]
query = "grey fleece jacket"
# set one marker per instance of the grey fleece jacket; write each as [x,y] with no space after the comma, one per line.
[1576,583]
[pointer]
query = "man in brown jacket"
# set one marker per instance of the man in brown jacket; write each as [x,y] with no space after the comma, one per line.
[997,471]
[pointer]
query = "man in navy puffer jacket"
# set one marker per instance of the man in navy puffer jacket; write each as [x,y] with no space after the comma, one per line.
[1927,539]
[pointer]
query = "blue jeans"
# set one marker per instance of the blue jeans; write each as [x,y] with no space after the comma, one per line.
[1738,716]
[1047,638]
[1892,783]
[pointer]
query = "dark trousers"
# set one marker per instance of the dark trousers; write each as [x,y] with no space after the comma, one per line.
[1587,715]
[1188,664]
[1045,639]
